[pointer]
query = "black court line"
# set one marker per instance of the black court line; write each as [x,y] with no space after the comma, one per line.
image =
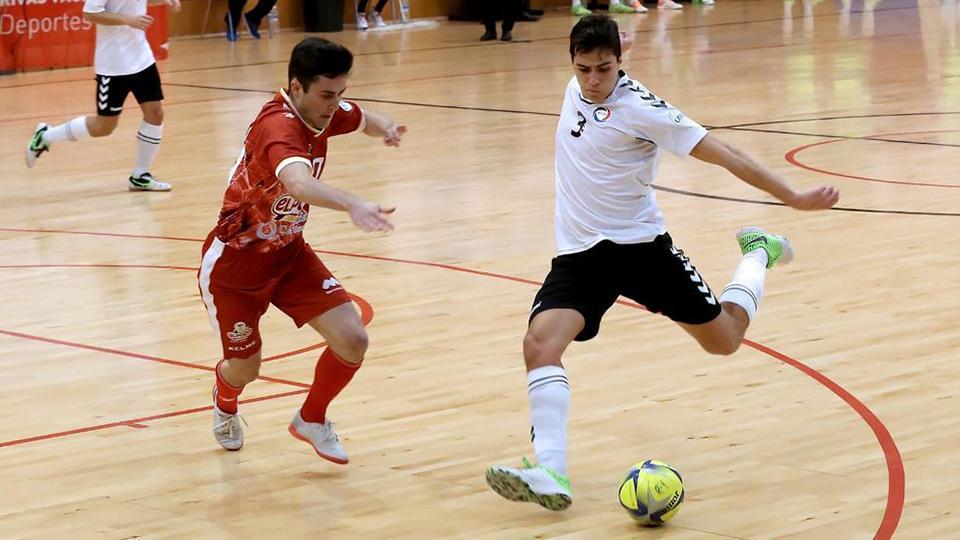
[773,203]
[479,44]
[825,118]
[455,107]
[737,127]
[224,88]
[843,137]
[375,100]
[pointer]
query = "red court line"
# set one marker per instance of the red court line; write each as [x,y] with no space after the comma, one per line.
[294,353]
[133,422]
[896,482]
[366,316]
[93,265]
[896,485]
[791,158]
[114,235]
[429,264]
[366,310]
[139,356]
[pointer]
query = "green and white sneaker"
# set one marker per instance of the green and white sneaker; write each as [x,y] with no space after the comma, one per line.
[778,248]
[579,11]
[36,146]
[532,483]
[620,8]
[146,182]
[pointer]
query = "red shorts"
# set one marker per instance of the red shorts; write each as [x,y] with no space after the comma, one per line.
[238,285]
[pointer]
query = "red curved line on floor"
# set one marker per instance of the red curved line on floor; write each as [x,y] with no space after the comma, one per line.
[791,158]
[896,481]
[896,485]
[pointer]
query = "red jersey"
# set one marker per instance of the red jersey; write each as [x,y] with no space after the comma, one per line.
[257,211]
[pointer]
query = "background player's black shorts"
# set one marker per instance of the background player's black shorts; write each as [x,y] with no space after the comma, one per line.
[112,90]
[655,274]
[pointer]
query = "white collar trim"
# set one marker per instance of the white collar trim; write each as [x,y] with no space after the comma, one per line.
[286,99]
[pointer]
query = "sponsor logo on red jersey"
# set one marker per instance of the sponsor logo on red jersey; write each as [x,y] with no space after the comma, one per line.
[286,205]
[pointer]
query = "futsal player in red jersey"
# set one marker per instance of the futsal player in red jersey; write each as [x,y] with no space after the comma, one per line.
[256,254]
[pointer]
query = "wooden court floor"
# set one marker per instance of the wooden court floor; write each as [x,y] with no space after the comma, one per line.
[838,420]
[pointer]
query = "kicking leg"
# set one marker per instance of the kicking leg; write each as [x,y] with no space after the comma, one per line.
[546,483]
[740,299]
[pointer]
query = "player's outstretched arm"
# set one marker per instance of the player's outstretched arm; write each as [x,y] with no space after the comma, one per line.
[381,125]
[712,150]
[304,187]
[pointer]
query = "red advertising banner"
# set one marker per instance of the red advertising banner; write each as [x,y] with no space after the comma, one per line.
[36,34]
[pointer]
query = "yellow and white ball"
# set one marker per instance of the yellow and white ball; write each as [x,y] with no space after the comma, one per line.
[652,492]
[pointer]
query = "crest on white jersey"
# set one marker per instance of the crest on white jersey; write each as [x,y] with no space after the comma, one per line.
[602,114]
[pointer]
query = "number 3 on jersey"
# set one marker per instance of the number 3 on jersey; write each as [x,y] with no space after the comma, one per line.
[581,122]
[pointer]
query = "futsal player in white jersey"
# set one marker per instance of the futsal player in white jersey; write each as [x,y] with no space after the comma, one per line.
[612,241]
[124,63]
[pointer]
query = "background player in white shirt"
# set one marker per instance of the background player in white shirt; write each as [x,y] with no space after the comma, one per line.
[123,63]
[612,241]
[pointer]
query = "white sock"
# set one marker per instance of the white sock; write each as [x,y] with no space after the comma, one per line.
[148,142]
[74,130]
[574,3]
[549,402]
[746,287]
[614,2]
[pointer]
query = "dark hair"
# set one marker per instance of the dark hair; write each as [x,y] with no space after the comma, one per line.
[595,32]
[314,57]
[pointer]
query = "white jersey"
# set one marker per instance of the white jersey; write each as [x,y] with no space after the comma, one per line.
[121,50]
[607,157]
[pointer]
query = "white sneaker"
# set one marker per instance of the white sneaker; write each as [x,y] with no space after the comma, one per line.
[668,4]
[321,437]
[362,21]
[532,483]
[226,427]
[637,6]
[707,2]
[146,182]
[36,146]
[378,20]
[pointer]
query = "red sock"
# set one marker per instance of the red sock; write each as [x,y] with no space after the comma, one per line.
[329,377]
[226,393]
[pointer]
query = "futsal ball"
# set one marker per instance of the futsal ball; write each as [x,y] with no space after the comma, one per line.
[652,492]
